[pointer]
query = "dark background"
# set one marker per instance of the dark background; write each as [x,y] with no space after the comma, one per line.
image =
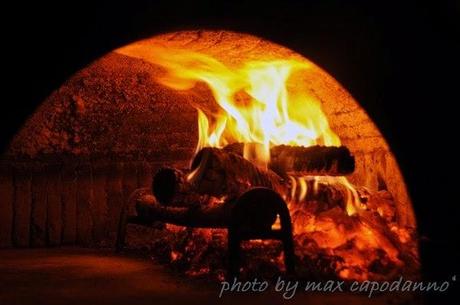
[399,60]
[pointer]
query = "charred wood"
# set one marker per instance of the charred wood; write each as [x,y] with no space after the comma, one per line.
[218,172]
[314,160]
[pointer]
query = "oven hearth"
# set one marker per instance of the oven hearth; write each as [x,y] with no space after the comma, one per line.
[319,176]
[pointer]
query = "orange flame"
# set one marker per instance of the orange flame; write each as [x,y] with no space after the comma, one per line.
[255,102]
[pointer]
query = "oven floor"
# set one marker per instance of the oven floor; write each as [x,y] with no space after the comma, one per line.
[87,276]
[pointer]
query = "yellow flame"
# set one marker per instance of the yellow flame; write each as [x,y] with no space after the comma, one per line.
[293,186]
[300,185]
[260,103]
[303,189]
[257,100]
[353,201]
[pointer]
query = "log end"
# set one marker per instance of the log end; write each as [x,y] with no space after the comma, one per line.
[164,184]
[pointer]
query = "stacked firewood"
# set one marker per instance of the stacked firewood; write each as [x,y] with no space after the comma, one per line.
[204,195]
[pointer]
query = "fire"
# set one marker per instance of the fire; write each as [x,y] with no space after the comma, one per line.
[300,189]
[262,103]
[258,106]
[258,101]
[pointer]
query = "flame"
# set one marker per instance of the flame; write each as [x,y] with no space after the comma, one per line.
[260,103]
[263,103]
[256,106]
[300,189]
[257,100]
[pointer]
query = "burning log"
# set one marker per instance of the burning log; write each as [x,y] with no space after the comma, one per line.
[215,173]
[149,210]
[219,215]
[220,172]
[319,192]
[196,216]
[171,188]
[168,183]
[314,160]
